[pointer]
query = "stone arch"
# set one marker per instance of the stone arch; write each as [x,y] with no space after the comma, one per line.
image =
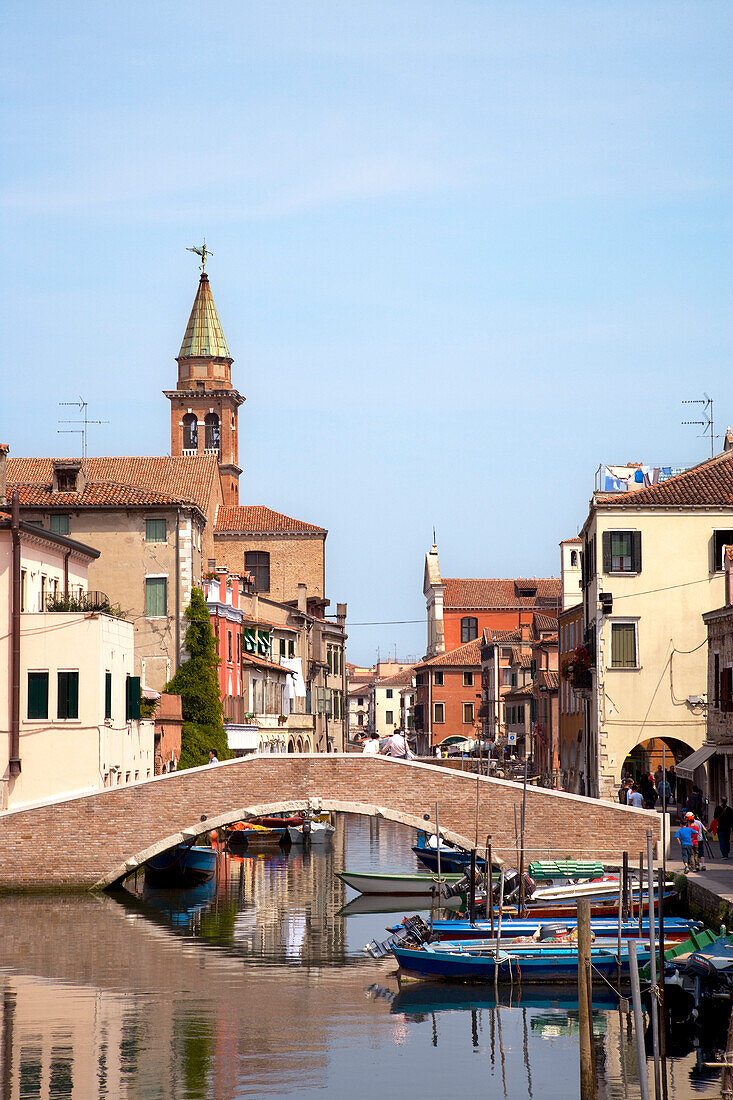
[645,756]
[212,433]
[300,745]
[291,745]
[190,432]
[115,876]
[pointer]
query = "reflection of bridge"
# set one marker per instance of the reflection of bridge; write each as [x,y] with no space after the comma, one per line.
[96,839]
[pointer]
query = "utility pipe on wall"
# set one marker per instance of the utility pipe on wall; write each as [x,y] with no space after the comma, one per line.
[14,761]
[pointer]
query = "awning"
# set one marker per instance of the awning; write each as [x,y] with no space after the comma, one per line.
[687,767]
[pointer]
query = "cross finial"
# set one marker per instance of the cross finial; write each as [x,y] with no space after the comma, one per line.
[203,252]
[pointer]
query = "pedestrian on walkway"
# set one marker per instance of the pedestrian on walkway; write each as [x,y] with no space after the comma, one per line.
[698,841]
[724,816]
[371,745]
[684,835]
[636,798]
[397,746]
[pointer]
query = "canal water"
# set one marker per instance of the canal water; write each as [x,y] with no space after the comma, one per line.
[259,986]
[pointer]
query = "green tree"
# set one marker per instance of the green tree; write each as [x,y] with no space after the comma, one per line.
[197,683]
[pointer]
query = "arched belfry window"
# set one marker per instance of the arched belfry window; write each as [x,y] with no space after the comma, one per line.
[190,432]
[257,563]
[212,432]
[469,628]
[573,559]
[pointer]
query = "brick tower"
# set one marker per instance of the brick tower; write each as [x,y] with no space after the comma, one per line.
[204,403]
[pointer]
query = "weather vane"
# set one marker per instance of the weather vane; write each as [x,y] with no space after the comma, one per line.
[203,252]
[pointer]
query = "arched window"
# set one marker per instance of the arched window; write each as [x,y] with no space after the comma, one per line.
[573,559]
[257,564]
[190,432]
[469,628]
[212,433]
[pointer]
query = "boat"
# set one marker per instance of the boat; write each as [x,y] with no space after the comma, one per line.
[535,962]
[452,860]
[250,835]
[405,885]
[183,866]
[315,832]
[276,822]
[676,929]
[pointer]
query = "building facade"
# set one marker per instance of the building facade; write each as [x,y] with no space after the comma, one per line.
[448,696]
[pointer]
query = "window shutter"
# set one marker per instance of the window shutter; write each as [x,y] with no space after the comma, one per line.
[62,695]
[73,694]
[636,551]
[38,695]
[132,698]
[607,552]
[108,695]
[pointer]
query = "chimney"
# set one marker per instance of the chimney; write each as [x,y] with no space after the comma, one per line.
[4,448]
[302,597]
[341,614]
[728,441]
[728,561]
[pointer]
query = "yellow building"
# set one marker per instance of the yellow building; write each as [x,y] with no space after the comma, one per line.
[652,565]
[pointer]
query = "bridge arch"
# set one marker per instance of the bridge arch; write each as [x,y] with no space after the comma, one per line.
[85,841]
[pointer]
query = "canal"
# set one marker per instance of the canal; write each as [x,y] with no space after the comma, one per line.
[259,986]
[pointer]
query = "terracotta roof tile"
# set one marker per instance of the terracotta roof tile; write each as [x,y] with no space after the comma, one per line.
[262,662]
[96,494]
[547,679]
[255,517]
[708,484]
[544,622]
[520,692]
[400,679]
[490,593]
[468,654]
[182,479]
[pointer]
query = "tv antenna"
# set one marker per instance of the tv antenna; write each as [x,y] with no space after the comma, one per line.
[83,428]
[707,423]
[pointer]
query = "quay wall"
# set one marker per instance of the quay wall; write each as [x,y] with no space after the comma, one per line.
[94,840]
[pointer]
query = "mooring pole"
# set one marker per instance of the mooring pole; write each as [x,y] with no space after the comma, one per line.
[641,890]
[498,931]
[638,1020]
[662,1007]
[654,1006]
[625,872]
[490,885]
[585,1017]
[472,889]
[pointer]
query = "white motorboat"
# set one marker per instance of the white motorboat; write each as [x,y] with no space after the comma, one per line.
[320,832]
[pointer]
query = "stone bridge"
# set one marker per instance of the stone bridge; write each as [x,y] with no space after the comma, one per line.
[95,840]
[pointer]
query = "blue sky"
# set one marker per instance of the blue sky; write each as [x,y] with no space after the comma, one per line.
[463,253]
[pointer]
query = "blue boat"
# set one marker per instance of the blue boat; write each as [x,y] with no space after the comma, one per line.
[452,860]
[675,928]
[425,998]
[183,866]
[480,962]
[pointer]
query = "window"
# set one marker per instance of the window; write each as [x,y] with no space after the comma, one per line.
[291,647]
[468,714]
[282,647]
[573,559]
[622,551]
[68,695]
[721,539]
[38,695]
[513,679]
[716,680]
[438,713]
[66,481]
[23,585]
[506,676]
[108,695]
[726,689]
[132,698]
[389,693]
[438,679]
[467,679]
[59,525]
[155,530]
[44,582]
[239,647]
[469,628]
[623,645]
[211,433]
[229,645]
[257,563]
[360,719]
[190,432]
[389,717]
[156,597]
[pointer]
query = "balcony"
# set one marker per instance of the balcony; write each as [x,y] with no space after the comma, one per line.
[81,601]
[190,451]
[582,682]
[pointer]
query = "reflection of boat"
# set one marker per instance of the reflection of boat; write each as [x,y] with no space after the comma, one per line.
[318,832]
[419,885]
[182,866]
[179,906]
[418,998]
[479,962]
[389,903]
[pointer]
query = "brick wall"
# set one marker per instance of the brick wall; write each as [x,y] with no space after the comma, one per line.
[87,841]
[294,559]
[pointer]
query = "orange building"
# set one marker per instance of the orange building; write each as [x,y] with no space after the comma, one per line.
[448,695]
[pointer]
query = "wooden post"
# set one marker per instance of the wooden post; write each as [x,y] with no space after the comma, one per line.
[625,872]
[472,889]
[490,884]
[638,1020]
[587,1073]
[654,1005]
[726,1092]
[641,890]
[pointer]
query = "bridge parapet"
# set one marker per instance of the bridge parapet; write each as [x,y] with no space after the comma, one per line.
[91,840]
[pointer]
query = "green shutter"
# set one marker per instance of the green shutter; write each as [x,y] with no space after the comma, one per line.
[155,530]
[607,552]
[73,694]
[156,597]
[132,698]
[59,524]
[38,695]
[68,695]
[108,695]
[636,551]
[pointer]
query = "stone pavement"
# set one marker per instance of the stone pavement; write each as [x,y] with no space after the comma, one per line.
[710,891]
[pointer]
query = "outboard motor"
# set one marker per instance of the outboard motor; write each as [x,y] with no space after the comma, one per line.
[463,885]
[511,884]
[551,931]
[700,967]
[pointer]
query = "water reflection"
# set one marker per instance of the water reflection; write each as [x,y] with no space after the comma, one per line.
[257,984]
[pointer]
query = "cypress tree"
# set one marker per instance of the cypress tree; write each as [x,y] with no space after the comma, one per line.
[197,683]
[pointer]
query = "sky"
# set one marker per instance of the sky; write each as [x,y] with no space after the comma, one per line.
[463,253]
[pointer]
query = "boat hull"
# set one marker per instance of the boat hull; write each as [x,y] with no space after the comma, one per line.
[181,867]
[402,885]
[675,930]
[530,965]
[320,833]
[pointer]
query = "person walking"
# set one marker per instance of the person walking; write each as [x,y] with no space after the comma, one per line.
[371,745]
[397,746]
[213,758]
[636,798]
[724,817]
[684,835]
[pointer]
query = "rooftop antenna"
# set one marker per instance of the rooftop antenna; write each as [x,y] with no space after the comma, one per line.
[707,423]
[435,541]
[203,252]
[82,430]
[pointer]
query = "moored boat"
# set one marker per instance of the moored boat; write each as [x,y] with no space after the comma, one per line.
[404,885]
[317,832]
[183,866]
[676,929]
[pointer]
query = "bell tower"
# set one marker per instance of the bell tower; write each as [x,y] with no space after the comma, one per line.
[204,403]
